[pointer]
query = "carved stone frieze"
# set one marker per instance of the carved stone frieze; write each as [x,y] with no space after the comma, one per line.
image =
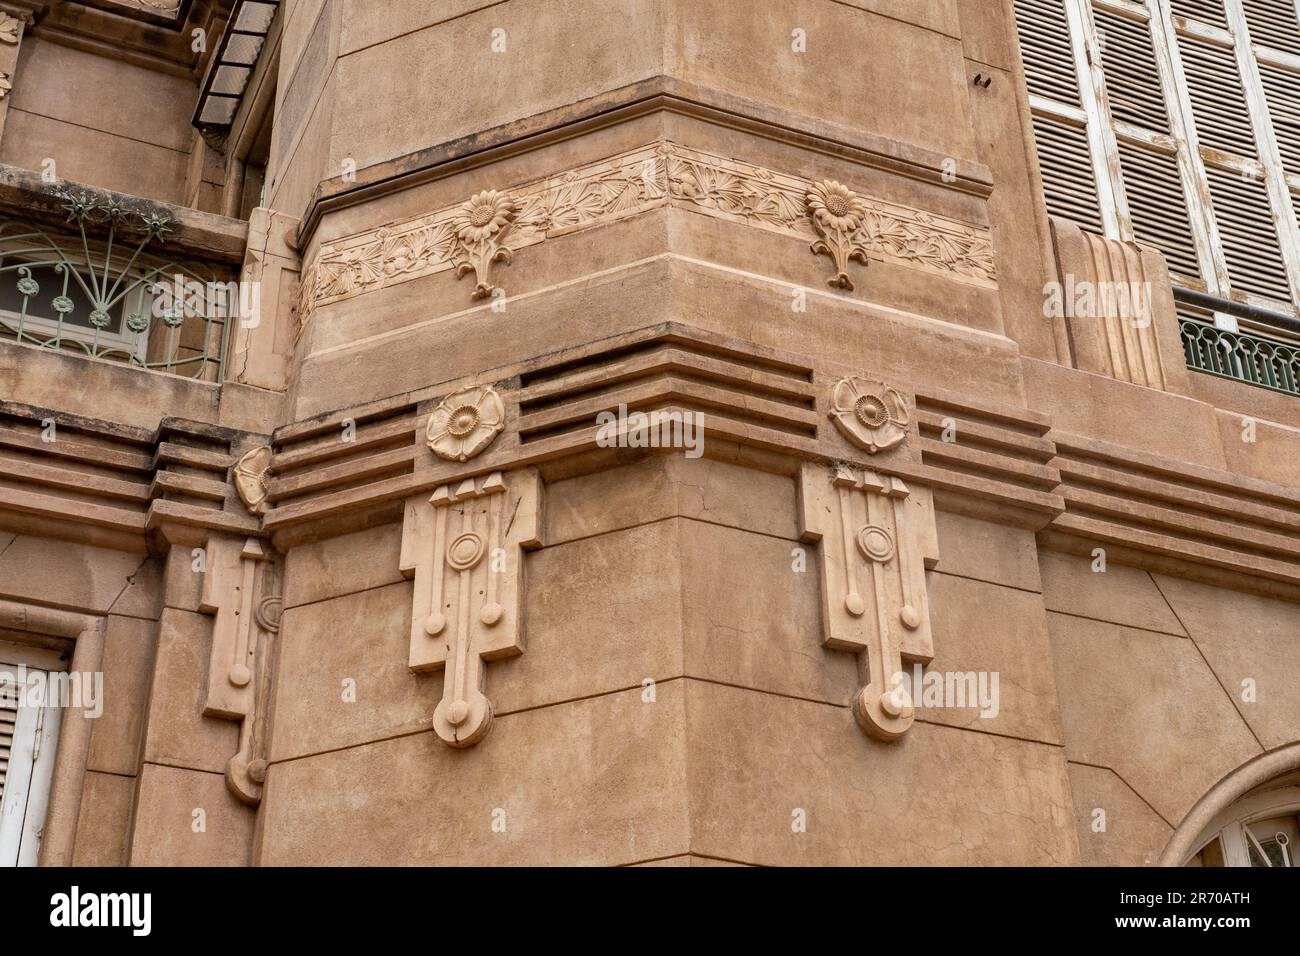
[464,546]
[465,423]
[10,27]
[877,538]
[241,589]
[870,414]
[471,236]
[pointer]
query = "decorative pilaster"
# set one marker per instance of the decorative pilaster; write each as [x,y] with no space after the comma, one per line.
[877,539]
[464,545]
[241,588]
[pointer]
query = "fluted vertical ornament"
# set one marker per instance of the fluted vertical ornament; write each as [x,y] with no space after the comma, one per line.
[877,538]
[464,546]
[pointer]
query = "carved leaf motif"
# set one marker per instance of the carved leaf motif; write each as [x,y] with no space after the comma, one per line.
[624,184]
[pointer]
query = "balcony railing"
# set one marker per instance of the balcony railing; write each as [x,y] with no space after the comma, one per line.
[1253,358]
[108,291]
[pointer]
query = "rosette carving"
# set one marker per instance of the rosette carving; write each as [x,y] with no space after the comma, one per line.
[466,422]
[871,415]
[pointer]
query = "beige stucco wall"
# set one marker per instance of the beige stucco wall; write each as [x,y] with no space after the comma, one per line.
[675,700]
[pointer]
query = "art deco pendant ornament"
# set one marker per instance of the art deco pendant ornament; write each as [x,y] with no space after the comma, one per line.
[481,230]
[251,479]
[241,589]
[466,422]
[871,415]
[877,539]
[464,546]
[837,213]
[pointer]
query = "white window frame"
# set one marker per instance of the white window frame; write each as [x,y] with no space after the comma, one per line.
[30,774]
[1103,133]
[1229,827]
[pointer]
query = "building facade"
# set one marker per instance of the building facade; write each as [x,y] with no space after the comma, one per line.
[659,432]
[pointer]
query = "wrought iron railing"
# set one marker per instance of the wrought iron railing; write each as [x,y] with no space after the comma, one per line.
[1246,357]
[91,293]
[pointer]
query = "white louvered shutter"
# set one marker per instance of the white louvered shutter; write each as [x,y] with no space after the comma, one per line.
[31,734]
[1060,122]
[1183,126]
[1274,24]
[1154,184]
[8,718]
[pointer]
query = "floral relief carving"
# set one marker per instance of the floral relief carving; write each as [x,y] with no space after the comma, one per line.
[753,194]
[466,422]
[481,231]
[493,225]
[9,28]
[836,213]
[5,85]
[871,415]
[925,241]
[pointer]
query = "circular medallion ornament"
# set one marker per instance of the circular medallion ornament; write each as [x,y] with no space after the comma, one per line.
[465,551]
[871,415]
[871,411]
[28,286]
[267,613]
[62,304]
[465,423]
[876,544]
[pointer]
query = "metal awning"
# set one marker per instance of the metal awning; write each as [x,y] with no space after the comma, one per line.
[232,65]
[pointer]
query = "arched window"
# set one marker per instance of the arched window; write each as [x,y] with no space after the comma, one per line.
[1262,828]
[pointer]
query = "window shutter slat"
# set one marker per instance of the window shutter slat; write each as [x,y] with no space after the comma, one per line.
[1157,206]
[1249,236]
[8,719]
[1068,182]
[1282,91]
[1047,51]
[1132,81]
[1218,101]
[1206,11]
[1274,24]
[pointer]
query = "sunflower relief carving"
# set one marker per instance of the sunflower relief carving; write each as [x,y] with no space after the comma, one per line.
[481,230]
[466,422]
[871,415]
[836,212]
